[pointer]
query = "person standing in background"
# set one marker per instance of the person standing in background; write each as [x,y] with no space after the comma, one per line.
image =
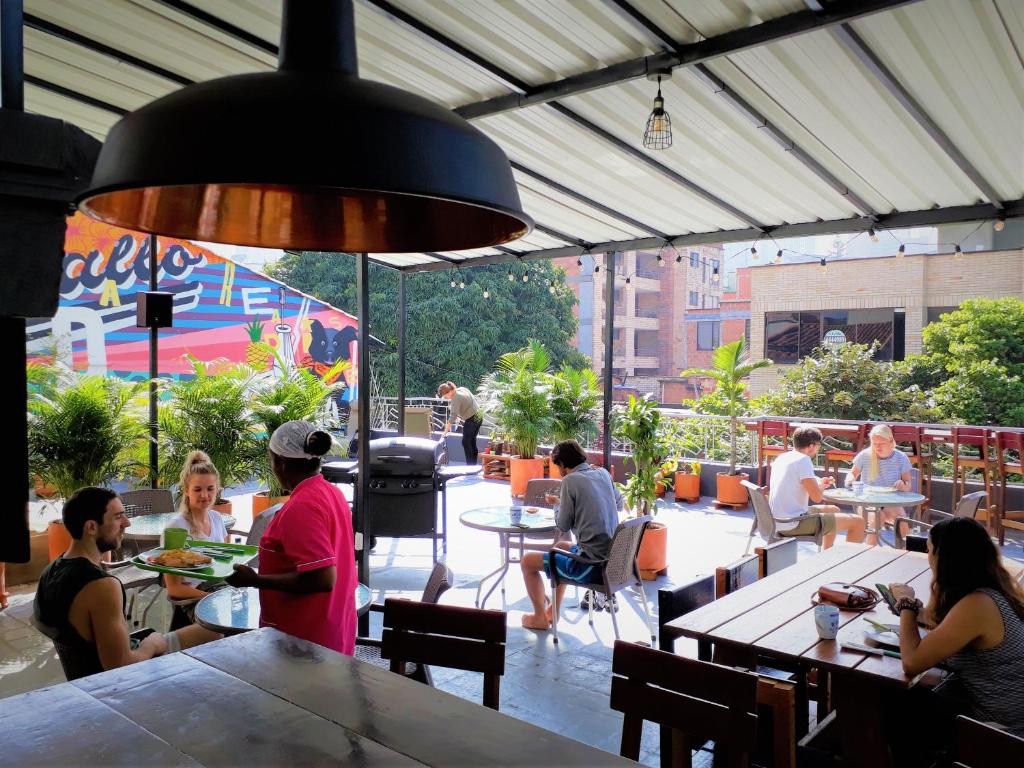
[463,406]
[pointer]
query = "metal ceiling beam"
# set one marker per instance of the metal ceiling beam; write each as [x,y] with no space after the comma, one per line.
[62,33]
[725,44]
[745,108]
[855,44]
[68,93]
[445,42]
[610,212]
[223,26]
[930,217]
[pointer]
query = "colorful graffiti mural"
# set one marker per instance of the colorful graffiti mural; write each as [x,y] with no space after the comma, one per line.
[221,310]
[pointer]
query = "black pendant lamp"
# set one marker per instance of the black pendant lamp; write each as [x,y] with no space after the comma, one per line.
[309,156]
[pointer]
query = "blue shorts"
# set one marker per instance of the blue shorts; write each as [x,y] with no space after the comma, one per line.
[571,569]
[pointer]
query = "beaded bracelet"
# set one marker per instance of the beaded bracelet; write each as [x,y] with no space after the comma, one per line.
[907,603]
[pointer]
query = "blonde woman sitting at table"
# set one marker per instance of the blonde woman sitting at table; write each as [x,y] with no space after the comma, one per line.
[883,466]
[200,486]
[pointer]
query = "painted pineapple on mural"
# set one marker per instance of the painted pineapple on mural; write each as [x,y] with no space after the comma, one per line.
[256,354]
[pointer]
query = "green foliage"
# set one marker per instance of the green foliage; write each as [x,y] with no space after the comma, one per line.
[210,412]
[731,368]
[83,430]
[973,360]
[846,382]
[451,334]
[518,395]
[575,396]
[299,396]
[638,421]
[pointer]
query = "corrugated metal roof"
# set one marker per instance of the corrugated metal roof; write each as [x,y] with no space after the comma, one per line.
[836,143]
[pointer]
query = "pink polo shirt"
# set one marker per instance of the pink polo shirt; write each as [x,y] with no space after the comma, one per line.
[312,530]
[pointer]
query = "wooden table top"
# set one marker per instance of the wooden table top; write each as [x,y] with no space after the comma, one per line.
[268,699]
[774,616]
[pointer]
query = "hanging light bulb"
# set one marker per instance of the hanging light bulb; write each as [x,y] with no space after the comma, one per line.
[1000,224]
[679,258]
[823,264]
[579,262]
[872,234]
[778,256]
[487,294]
[957,253]
[902,251]
[627,279]
[597,268]
[526,277]
[661,261]
[658,133]
[715,277]
[511,276]
[454,282]
[462,284]
[551,289]
[753,253]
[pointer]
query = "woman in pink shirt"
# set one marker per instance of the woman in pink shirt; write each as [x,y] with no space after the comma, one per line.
[307,576]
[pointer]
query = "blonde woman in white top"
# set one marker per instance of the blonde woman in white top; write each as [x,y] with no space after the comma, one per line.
[882,465]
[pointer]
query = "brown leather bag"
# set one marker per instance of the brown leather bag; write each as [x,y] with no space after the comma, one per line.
[852,597]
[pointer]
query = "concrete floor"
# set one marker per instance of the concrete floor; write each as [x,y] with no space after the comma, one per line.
[563,688]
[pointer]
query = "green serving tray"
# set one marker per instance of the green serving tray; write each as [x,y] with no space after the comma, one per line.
[218,570]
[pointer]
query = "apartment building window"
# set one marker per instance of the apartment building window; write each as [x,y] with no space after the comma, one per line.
[713,302]
[694,258]
[934,313]
[708,334]
[694,299]
[790,336]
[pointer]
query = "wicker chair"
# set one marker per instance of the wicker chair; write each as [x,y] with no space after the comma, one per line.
[368,648]
[616,573]
[765,521]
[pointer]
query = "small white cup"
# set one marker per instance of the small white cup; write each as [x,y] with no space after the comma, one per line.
[857,487]
[515,515]
[826,621]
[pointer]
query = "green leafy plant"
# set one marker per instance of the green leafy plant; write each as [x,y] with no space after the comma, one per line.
[637,422]
[297,396]
[575,396]
[518,394]
[84,430]
[210,412]
[730,369]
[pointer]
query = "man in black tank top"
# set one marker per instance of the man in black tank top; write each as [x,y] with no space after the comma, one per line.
[84,604]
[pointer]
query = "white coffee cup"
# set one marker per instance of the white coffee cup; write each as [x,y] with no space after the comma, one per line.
[826,621]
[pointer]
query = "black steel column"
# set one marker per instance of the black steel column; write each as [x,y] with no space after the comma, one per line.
[363,409]
[401,352]
[14,541]
[609,341]
[154,342]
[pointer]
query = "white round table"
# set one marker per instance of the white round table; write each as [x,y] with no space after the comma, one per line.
[233,610]
[871,498]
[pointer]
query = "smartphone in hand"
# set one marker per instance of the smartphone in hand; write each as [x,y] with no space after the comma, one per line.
[887,596]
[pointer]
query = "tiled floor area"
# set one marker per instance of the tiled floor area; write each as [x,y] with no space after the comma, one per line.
[562,688]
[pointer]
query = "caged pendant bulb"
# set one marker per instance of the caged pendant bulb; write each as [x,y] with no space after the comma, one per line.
[658,133]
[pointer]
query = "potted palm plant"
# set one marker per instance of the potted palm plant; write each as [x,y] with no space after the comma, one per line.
[518,393]
[575,395]
[637,422]
[210,412]
[730,369]
[298,395]
[83,431]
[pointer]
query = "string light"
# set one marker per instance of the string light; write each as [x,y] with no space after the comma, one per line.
[627,279]
[778,257]
[753,253]
[1000,224]
[679,257]
[958,253]
[511,276]
[872,234]
[462,284]
[454,282]
[597,267]
[487,294]
[579,262]
[902,251]
[715,277]
[551,289]
[526,276]
[823,264]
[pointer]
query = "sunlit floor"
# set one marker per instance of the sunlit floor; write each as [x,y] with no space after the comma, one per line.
[562,688]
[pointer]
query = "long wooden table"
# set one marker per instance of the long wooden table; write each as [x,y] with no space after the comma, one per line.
[266,698]
[774,617]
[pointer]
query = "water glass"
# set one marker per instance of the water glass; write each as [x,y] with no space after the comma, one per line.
[515,515]
[857,487]
[826,621]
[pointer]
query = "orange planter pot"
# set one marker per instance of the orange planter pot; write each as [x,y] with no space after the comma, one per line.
[652,559]
[659,489]
[730,491]
[553,470]
[521,471]
[42,488]
[263,501]
[687,487]
[57,539]
[224,507]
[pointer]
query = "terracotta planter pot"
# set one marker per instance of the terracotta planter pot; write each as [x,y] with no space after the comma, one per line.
[687,487]
[224,507]
[729,489]
[522,471]
[652,559]
[659,489]
[42,488]
[57,539]
[263,500]
[553,470]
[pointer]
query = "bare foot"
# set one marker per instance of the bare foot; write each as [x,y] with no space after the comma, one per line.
[3,599]
[532,621]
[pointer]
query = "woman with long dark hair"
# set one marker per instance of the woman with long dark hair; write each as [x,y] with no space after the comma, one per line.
[978,615]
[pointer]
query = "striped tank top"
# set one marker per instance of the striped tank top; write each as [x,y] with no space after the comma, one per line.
[994,677]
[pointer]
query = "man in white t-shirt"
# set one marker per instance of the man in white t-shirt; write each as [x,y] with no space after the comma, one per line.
[794,485]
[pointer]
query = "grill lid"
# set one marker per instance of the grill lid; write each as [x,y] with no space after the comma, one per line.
[404,455]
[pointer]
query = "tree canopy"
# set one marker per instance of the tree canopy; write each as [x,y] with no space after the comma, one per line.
[452,333]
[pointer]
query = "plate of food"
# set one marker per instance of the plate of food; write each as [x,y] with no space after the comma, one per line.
[180,558]
[883,634]
[879,489]
[532,510]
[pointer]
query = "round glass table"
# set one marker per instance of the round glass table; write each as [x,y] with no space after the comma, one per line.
[151,527]
[233,610]
[499,520]
[873,498]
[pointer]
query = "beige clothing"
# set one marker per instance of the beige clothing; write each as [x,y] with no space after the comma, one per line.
[464,405]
